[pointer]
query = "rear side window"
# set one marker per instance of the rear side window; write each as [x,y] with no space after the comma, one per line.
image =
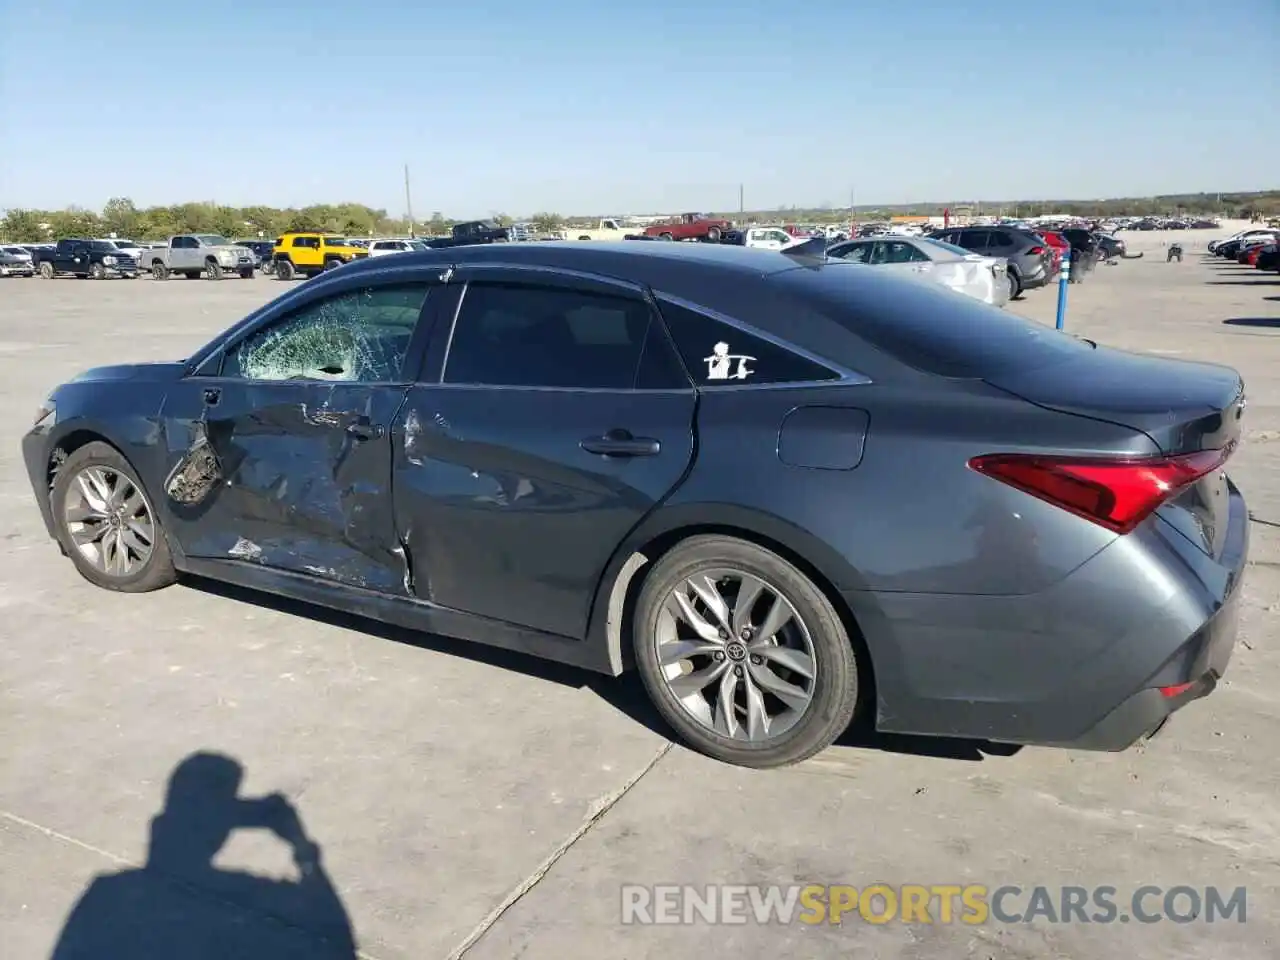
[926,326]
[719,354]
[531,336]
[1000,240]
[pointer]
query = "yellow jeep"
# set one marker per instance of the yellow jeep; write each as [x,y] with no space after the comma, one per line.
[312,253]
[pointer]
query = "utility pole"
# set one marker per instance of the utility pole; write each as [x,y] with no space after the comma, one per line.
[742,198]
[408,201]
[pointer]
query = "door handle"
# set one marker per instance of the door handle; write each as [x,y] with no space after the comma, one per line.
[211,396]
[620,443]
[362,430]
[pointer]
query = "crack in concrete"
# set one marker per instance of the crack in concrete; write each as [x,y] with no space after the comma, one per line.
[198,891]
[601,807]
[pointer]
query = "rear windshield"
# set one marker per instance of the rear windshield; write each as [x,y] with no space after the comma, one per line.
[928,327]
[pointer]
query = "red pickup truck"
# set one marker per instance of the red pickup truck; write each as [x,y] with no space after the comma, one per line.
[690,226]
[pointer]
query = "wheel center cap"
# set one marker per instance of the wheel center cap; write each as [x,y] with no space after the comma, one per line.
[736,652]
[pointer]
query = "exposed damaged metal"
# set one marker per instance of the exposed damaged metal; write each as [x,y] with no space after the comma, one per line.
[196,474]
[245,550]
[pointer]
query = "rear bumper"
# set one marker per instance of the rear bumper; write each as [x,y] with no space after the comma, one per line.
[1038,277]
[1078,665]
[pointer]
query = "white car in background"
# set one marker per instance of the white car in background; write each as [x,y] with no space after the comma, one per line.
[769,238]
[983,278]
[388,245]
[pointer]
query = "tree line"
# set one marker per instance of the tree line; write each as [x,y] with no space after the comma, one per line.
[121,217]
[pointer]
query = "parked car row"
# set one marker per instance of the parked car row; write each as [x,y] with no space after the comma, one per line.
[1255,247]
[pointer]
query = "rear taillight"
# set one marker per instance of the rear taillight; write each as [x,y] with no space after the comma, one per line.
[1116,493]
[1036,251]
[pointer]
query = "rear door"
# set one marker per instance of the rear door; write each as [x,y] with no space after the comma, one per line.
[553,416]
[299,417]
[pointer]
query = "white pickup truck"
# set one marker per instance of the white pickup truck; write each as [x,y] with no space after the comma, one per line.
[194,255]
[606,229]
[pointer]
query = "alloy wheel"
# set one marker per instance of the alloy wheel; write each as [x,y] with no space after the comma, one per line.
[737,656]
[109,521]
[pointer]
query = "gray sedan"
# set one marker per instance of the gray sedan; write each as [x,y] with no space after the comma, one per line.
[983,278]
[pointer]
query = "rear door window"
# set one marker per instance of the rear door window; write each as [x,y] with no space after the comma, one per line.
[524,335]
[1000,240]
[927,327]
[975,240]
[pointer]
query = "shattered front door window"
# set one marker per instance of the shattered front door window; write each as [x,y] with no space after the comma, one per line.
[361,336]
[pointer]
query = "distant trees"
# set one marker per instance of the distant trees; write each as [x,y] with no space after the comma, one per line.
[122,217]
[547,222]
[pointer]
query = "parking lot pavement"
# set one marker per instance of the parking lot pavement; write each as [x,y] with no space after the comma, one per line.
[466,799]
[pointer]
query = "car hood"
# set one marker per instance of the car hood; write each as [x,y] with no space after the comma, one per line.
[132,371]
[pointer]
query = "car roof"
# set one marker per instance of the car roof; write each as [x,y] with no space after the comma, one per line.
[649,262]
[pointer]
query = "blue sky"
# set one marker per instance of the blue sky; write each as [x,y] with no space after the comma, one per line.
[616,106]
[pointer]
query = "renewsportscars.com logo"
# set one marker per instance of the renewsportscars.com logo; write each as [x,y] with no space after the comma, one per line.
[971,904]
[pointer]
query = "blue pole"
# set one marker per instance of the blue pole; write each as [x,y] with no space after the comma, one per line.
[1063,279]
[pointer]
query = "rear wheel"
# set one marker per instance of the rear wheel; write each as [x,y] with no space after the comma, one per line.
[1014,287]
[742,654]
[106,523]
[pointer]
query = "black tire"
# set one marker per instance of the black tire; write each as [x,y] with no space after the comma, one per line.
[584,237]
[285,270]
[836,687]
[159,271]
[97,271]
[158,570]
[246,273]
[713,235]
[212,270]
[1015,287]
[46,270]
[332,264]
[665,236]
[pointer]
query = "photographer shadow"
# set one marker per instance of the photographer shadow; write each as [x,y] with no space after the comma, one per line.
[179,905]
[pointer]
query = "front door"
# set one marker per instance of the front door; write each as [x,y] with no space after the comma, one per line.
[298,423]
[561,418]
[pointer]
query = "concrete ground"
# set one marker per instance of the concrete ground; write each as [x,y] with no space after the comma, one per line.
[468,801]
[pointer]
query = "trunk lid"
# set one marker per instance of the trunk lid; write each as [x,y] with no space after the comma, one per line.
[1182,406]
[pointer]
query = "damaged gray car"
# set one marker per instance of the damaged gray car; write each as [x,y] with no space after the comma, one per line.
[784,488]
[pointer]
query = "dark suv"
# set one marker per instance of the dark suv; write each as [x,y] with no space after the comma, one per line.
[1030,260]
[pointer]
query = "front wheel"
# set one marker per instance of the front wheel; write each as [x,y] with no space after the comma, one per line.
[285,270]
[713,235]
[665,236]
[106,523]
[742,654]
[212,271]
[159,271]
[246,273]
[46,270]
[97,271]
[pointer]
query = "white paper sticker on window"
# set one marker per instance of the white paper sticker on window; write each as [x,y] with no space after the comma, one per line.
[723,365]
